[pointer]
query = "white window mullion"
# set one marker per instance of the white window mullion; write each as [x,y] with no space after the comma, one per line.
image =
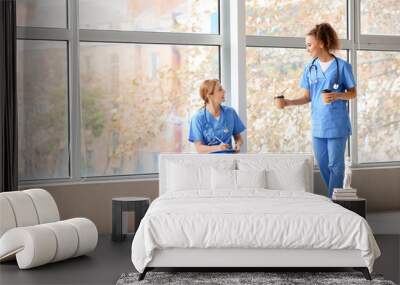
[148,37]
[354,30]
[225,52]
[238,60]
[383,43]
[74,92]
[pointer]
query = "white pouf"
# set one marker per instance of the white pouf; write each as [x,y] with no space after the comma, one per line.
[31,232]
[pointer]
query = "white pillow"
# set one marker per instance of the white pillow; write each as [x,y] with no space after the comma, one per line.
[288,176]
[187,175]
[223,179]
[251,178]
[183,177]
[282,174]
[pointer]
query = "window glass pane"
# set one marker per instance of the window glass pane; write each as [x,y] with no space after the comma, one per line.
[378,106]
[269,72]
[42,13]
[137,101]
[181,16]
[42,109]
[294,18]
[380,17]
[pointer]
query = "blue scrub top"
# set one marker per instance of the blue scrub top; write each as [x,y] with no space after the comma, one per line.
[328,120]
[206,128]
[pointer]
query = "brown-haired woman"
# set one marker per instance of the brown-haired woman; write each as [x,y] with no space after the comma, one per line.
[328,84]
[212,127]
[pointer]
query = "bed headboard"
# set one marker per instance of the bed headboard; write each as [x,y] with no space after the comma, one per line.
[208,159]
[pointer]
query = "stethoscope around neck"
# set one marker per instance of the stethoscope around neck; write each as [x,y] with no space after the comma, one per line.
[314,66]
[208,125]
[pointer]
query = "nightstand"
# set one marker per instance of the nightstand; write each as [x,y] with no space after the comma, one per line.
[139,205]
[358,205]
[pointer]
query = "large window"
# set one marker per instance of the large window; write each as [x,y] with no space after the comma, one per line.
[380,17]
[137,101]
[42,88]
[137,98]
[271,129]
[284,18]
[275,65]
[42,13]
[378,71]
[105,86]
[378,106]
[189,16]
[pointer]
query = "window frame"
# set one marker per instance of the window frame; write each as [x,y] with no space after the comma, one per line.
[299,43]
[366,42]
[73,36]
[232,42]
[354,42]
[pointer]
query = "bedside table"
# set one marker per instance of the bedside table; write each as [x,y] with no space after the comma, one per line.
[139,205]
[358,205]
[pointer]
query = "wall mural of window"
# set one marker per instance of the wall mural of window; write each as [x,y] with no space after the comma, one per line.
[281,18]
[42,109]
[380,17]
[178,16]
[42,13]
[137,95]
[137,101]
[271,71]
[378,106]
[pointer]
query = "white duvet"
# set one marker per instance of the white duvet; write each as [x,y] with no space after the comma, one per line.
[250,219]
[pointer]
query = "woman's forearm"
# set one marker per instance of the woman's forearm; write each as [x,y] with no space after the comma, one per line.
[201,148]
[299,101]
[350,94]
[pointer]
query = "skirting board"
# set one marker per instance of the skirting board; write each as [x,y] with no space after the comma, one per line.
[177,257]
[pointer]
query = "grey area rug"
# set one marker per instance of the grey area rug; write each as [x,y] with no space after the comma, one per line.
[269,278]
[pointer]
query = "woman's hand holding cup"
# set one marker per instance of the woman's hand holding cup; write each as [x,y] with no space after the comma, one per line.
[328,96]
[280,101]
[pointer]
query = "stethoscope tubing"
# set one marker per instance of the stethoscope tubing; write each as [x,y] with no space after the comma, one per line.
[336,84]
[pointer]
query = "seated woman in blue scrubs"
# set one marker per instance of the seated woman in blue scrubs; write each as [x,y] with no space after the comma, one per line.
[328,83]
[212,127]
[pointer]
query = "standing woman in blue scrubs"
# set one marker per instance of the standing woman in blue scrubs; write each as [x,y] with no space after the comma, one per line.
[212,127]
[328,83]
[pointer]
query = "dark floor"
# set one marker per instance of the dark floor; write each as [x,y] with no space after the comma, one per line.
[111,259]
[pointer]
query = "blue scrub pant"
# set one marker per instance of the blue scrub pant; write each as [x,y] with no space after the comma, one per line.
[329,153]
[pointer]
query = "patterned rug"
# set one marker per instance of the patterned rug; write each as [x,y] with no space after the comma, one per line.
[242,278]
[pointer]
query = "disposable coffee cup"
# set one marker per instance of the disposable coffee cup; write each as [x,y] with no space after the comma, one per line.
[280,101]
[325,95]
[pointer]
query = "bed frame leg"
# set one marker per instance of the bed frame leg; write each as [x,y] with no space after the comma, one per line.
[364,271]
[143,274]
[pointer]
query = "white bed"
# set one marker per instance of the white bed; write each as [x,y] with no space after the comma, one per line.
[222,217]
